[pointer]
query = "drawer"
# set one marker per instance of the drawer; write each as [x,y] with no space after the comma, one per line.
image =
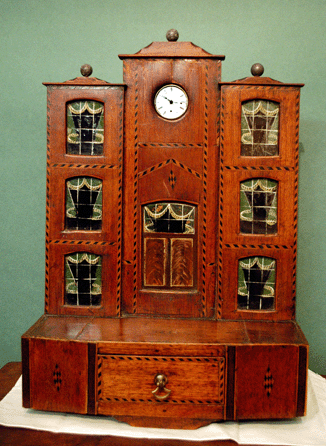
[161,386]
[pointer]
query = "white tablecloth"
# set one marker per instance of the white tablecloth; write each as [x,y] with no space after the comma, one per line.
[306,431]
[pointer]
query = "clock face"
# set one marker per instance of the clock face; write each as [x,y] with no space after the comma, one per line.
[171,102]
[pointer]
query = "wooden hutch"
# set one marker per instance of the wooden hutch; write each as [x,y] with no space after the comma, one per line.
[171,231]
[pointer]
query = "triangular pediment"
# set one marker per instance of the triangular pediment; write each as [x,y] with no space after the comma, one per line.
[172,49]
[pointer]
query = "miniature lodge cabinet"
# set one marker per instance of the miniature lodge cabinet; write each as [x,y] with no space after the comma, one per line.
[170,246]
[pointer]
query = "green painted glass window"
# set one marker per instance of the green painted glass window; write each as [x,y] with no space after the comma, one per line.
[258,206]
[259,128]
[169,217]
[85,128]
[256,283]
[83,203]
[83,279]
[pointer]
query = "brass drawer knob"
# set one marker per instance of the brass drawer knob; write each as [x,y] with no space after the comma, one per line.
[160,380]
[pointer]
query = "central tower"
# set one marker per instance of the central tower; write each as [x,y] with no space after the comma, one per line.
[170,179]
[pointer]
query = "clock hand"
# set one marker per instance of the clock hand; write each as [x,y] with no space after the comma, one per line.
[171,102]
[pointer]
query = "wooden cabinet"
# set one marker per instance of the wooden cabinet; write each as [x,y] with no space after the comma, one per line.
[213,370]
[170,246]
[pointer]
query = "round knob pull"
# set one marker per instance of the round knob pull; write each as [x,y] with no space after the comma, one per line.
[160,381]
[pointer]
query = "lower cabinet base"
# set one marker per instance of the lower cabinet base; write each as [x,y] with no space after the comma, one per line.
[148,374]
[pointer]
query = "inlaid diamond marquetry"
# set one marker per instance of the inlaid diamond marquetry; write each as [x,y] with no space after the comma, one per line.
[57,377]
[172,179]
[268,382]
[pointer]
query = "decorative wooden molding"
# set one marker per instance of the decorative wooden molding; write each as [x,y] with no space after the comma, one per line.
[260,246]
[80,242]
[84,166]
[259,168]
[165,163]
[219,299]
[170,146]
[296,195]
[47,209]
[136,147]
[119,208]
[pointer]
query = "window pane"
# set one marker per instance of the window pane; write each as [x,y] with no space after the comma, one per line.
[85,128]
[83,279]
[258,206]
[83,203]
[256,283]
[170,218]
[259,128]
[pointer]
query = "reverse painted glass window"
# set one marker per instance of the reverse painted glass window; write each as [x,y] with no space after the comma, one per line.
[258,206]
[259,128]
[168,245]
[85,128]
[256,283]
[83,279]
[83,203]
[169,217]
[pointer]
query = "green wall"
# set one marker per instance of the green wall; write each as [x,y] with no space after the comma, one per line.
[47,41]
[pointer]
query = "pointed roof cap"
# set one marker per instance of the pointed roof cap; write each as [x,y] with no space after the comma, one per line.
[172,49]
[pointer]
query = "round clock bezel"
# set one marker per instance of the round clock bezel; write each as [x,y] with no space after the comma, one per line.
[179,88]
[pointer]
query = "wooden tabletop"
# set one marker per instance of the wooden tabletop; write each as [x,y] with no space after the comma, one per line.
[9,436]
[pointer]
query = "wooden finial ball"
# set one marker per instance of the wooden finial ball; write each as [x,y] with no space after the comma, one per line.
[172,35]
[86,70]
[257,69]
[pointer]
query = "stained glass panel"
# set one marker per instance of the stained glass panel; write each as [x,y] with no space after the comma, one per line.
[83,203]
[83,279]
[168,217]
[85,128]
[256,283]
[258,206]
[259,128]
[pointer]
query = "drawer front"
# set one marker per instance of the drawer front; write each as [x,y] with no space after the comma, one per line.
[187,381]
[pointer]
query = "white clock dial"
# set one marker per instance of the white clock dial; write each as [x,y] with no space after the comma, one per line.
[171,102]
